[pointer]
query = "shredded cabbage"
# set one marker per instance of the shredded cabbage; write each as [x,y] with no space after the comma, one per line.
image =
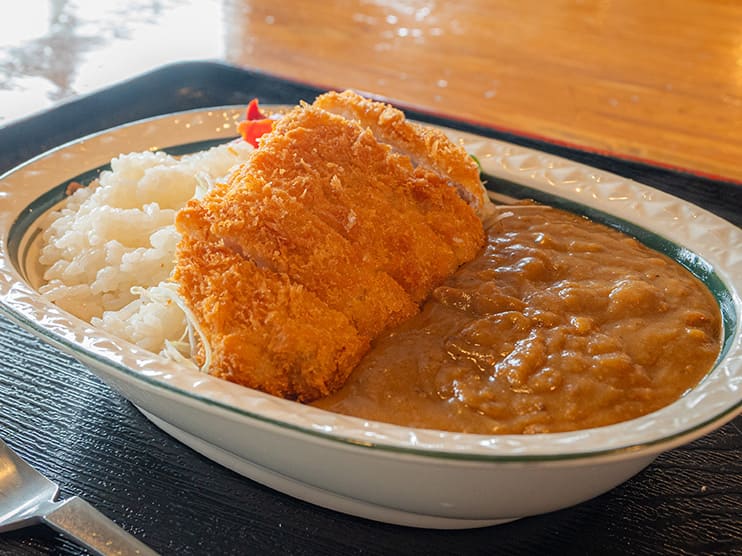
[204,184]
[168,292]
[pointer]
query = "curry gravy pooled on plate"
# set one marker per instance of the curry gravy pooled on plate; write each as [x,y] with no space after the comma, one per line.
[559,324]
[280,263]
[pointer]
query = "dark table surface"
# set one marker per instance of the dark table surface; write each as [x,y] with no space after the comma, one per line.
[89,439]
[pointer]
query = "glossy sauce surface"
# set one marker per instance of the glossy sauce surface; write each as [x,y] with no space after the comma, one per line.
[559,324]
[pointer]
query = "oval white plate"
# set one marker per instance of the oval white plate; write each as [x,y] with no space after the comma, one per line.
[401,475]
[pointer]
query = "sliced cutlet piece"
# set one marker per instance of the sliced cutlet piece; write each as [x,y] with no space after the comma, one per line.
[368,194]
[264,330]
[428,148]
[453,221]
[322,233]
[268,226]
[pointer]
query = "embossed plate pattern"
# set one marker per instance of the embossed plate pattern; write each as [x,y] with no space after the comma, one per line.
[706,244]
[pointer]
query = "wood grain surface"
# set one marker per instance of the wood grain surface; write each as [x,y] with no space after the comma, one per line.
[655,80]
[94,443]
[658,80]
[650,79]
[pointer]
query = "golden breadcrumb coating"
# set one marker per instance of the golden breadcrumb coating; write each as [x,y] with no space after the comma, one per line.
[370,195]
[276,231]
[265,331]
[327,236]
[427,147]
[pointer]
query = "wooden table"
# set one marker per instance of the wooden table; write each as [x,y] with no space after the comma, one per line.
[642,79]
[632,78]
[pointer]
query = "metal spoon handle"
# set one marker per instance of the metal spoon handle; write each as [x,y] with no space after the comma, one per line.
[82,523]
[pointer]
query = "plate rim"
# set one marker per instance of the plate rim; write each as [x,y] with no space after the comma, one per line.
[520,164]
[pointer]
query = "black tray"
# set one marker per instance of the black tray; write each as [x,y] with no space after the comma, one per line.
[90,440]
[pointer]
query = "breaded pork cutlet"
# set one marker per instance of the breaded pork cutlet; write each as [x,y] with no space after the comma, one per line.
[327,236]
[264,330]
[268,226]
[427,147]
[370,195]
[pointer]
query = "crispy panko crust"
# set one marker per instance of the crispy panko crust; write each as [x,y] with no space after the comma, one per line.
[371,196]
[326,237]
[427,147]
[268,226]
[265,331]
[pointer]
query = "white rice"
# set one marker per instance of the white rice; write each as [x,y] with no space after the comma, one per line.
[111,248]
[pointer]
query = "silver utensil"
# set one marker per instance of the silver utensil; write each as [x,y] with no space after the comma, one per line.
[28,498]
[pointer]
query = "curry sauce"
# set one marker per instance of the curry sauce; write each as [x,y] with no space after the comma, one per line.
[559,324]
